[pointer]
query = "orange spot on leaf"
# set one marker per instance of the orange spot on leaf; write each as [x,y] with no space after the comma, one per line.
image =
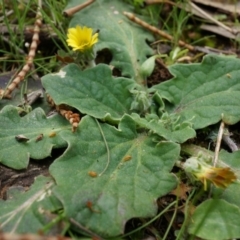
[92,174]
[52,134]
[127,158]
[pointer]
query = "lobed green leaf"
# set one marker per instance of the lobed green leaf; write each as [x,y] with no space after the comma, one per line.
[118,185]
[204,93]
[16,153]
[93,91]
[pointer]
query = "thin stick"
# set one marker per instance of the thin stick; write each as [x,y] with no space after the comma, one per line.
[29,61]
[218,144]
[153,29]
[71,11]
[217,148]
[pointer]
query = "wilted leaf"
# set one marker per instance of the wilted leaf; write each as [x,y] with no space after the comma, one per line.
[231,194]
[14,152]
[204,92]
[102,189]
[93,91]
[125,39]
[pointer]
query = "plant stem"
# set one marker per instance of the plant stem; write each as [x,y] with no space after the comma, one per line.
[152,220]
[91,64]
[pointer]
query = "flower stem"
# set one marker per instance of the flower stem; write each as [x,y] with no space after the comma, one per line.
[91,64]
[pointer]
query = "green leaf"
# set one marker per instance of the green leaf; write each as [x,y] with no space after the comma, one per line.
[125,39]
[118,185]
[232,159]
[215,219]
[16,153]
[29,212]
[93,91]
[204,92]
[176,132]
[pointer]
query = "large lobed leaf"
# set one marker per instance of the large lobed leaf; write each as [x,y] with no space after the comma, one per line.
[125,39]
[103,196]
[204,93]
[16,154]
[93,91]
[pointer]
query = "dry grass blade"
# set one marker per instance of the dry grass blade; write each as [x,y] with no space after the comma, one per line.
[225,6]
[209,17]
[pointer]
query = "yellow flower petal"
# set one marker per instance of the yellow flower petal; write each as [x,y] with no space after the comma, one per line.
[81,38]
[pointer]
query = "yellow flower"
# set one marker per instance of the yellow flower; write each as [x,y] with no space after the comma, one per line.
[200,169]
[81,38]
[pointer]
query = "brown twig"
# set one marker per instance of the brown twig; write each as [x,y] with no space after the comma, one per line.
[71,11]
[29,61]
[73,118]
[155,30]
